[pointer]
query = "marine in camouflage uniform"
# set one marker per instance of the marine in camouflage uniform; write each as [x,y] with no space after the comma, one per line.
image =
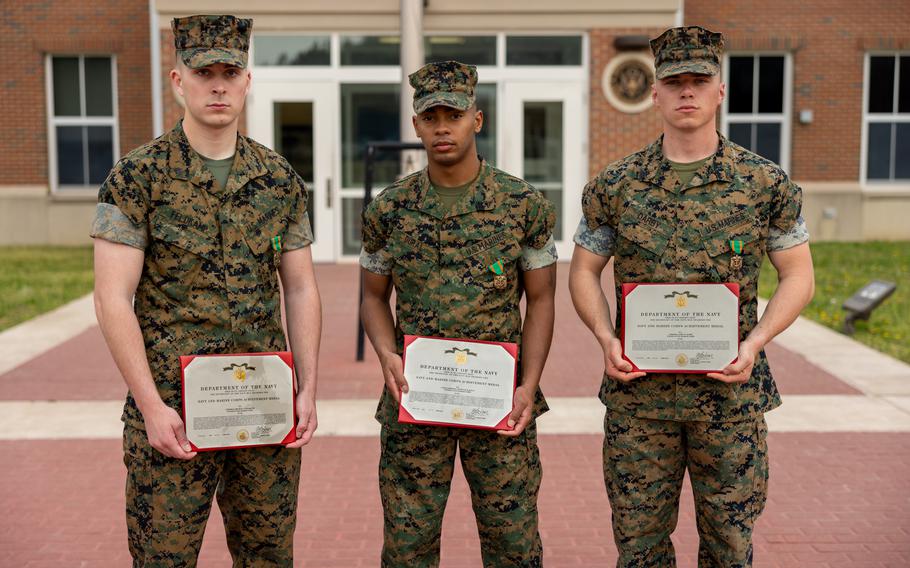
[439,261]
[208,285]
[660,229]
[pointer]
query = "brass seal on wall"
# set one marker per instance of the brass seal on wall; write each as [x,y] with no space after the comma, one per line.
[627,81]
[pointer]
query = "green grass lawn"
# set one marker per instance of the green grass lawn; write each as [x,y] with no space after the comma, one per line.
[38,279]
[843,268]
[35,280]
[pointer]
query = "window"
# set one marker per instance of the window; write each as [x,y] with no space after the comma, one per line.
[757,106]
[543,148]
[279,50]
[83,122]
[369,113]
[887,118]
[543,50]
[473,50]
[370,50]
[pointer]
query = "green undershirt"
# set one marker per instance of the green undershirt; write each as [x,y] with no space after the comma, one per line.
[449,196]
[220,169]
[687,171]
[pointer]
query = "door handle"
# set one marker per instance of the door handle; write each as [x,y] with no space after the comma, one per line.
[328,193]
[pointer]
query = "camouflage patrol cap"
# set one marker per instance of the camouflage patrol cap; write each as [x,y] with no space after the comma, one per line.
[446,83]
[691,49]
[206,40]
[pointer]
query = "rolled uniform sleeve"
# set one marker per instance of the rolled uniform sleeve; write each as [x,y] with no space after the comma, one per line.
[539,248]
[600,241]
[787,228]
[782,240]
[299,233]
[596,231]
[121,215]
[374,256]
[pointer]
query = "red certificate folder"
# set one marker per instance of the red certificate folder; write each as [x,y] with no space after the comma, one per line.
[503,424]
[732,287]
[284,356]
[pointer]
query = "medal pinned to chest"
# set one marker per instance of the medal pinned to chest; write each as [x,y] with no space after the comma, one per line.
[736,260]
[499,280]
[276,249]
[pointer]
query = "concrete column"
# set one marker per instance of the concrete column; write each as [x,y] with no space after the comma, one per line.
[411,60]
[155,51]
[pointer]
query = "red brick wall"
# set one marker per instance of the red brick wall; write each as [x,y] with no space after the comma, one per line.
[172,109]
[31,30]
[827,40]
[614,134]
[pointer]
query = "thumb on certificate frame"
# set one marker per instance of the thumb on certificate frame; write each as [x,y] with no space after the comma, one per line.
[400,380]
[182,439]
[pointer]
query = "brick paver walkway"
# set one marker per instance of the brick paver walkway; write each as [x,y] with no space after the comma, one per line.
[836,499]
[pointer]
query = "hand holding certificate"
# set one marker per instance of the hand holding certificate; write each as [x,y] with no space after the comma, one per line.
[458,382]
[237,401]
[680,328]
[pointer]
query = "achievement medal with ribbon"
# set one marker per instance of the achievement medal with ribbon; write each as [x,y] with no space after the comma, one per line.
[500,279]
[736,261]
[276,249]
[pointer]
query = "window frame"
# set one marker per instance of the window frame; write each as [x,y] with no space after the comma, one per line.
[880,117]
[53,121]
[333,49]
[785,118]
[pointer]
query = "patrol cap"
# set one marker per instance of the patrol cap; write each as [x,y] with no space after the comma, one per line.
[206,40]
[446,83]
[690,49]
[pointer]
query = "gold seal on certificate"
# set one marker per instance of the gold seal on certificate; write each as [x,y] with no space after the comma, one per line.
[458,382]
[238,401]
[680,328]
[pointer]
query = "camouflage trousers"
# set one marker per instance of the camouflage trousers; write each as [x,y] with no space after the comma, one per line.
[415,472]
[168,503]
[644,464]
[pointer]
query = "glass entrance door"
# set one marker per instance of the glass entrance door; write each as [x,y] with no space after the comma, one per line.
[542,137]
[296,120]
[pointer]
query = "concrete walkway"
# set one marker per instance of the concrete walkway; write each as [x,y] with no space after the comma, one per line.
[882,404]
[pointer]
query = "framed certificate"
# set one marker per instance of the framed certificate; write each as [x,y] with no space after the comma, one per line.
[238,400]
[458,382]
[680,328]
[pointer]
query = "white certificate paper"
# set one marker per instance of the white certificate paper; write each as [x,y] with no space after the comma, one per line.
[680,328]
[235,401]
[456,382]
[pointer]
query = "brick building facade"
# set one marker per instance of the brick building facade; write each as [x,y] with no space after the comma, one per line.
[814,58]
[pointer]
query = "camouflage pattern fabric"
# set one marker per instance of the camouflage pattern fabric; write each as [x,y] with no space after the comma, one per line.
[728,468]
[168,503]
[206,40]
[208,285]
[602,239]
[415,471]
[447,83]
[667,232]
[209,281]
[442,257]
[445,287]
[690,49]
